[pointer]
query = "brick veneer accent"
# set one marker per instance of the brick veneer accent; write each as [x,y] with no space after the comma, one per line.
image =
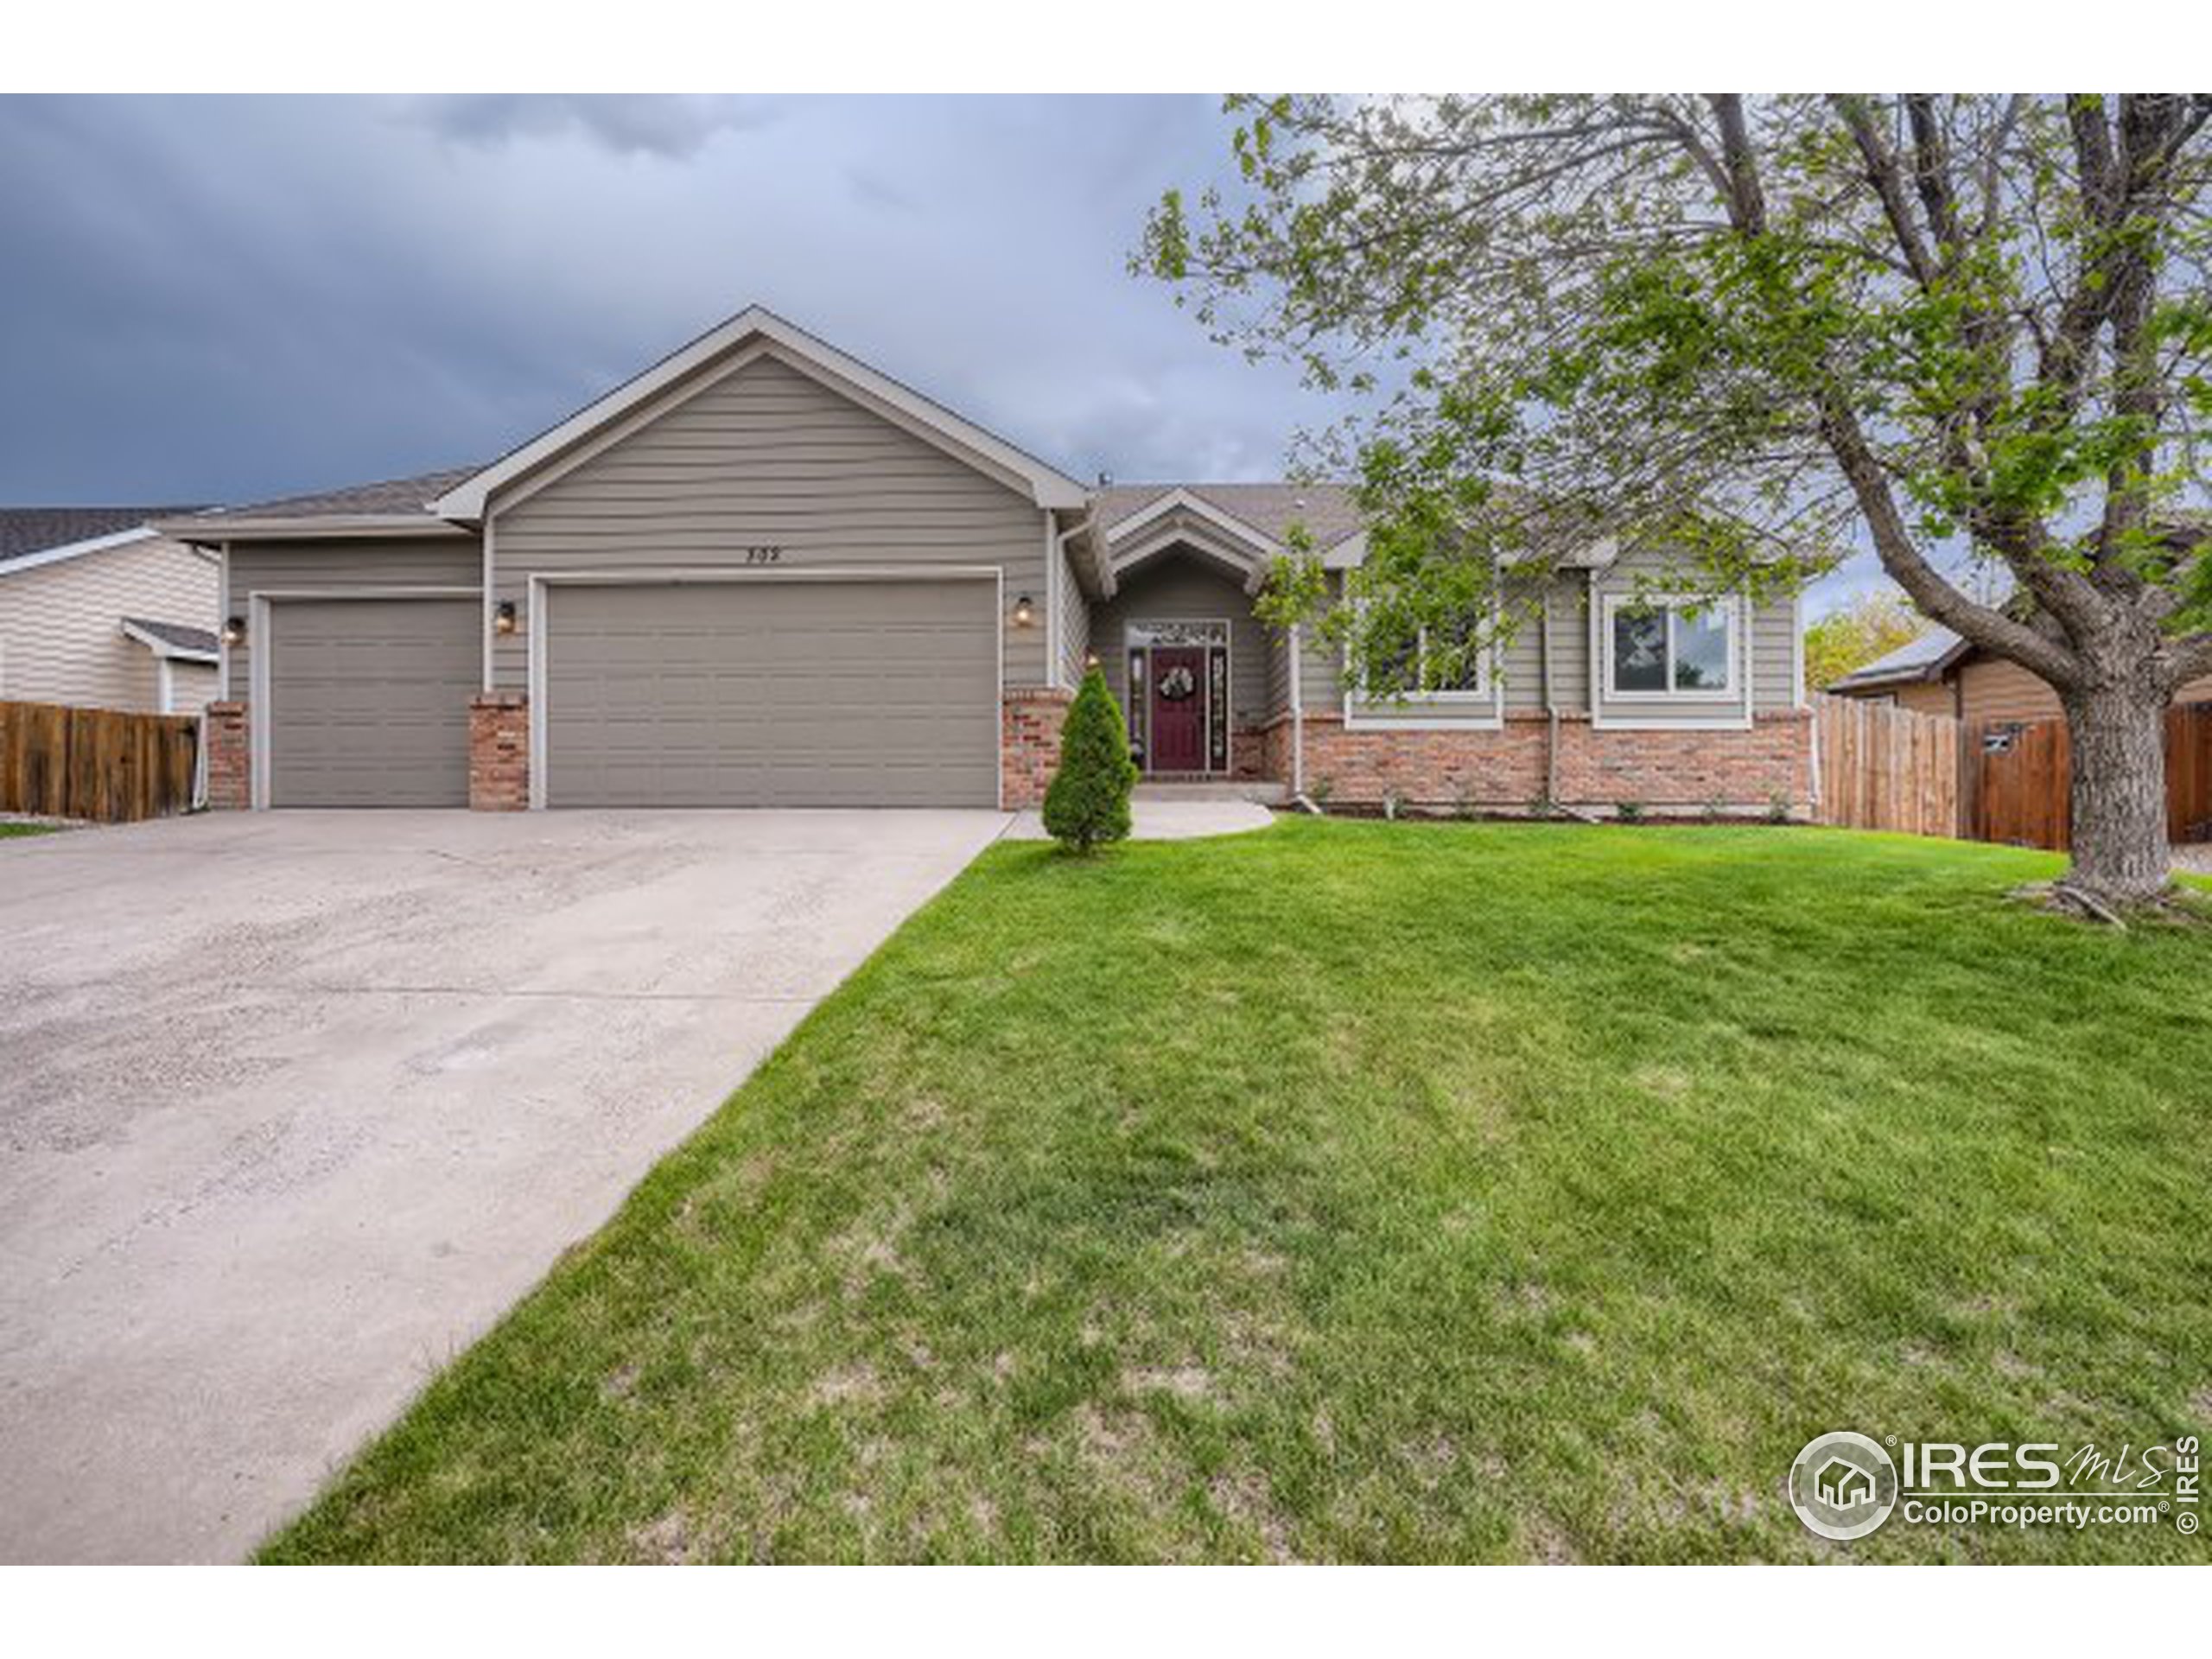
[230,758]
[1029,743]
[498,751]
[1680,770]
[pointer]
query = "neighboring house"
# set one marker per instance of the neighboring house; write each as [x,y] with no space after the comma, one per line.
[99,611]
[1939,673]
[763,573]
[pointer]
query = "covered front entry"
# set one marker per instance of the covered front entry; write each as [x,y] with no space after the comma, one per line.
[820,691]
[1179,697]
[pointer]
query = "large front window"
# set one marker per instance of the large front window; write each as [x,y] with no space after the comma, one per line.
[1671,649]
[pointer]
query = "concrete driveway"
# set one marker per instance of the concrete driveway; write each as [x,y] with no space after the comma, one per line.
[293,1106]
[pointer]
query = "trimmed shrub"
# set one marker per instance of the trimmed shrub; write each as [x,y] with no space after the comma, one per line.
[1087,804]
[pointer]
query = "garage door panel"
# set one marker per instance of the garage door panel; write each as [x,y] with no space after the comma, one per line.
[772,693]
[369,701]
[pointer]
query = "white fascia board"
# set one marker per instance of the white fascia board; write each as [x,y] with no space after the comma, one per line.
[1048,487]
[78,549]
[1198,507]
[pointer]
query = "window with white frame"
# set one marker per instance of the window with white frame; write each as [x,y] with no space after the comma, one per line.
[1427,665]
[1670,647]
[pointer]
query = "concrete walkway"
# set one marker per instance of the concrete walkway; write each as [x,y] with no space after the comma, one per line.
[1157,820]
[295,1105]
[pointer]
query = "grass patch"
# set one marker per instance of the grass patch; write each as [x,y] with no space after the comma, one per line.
[1373,1192]
[9,831]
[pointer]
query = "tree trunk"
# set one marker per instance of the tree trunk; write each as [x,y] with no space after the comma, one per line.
[2118,733]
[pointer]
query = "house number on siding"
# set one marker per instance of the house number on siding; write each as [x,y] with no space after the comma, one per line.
[763,554]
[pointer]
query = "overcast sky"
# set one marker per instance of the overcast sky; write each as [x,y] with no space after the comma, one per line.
[225,299]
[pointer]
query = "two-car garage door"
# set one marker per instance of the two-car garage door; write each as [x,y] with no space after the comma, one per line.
[773,691]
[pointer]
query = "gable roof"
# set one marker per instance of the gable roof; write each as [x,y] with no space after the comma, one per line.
[31,536]
[1047,486]
[1928,658]
[1326,510]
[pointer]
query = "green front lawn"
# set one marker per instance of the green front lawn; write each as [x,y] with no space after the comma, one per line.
[1374,1191]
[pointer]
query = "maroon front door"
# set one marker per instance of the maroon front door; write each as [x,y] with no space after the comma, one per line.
[1178,708]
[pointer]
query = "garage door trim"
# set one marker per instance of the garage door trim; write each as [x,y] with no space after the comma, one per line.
[679,577]
[261,608]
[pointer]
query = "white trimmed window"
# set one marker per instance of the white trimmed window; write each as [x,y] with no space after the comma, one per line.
[1670,648]
[1429,668]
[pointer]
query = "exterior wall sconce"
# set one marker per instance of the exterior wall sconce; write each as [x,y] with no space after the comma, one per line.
[1025,613]
[1090,659]
[503,617]
[234,630]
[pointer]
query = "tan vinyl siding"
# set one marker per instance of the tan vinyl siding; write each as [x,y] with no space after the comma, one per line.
[768,456]
[1175,589]
[1570,642]
[1774,656]
[1075,622]
[298,566]
[1320,666]
[62,636]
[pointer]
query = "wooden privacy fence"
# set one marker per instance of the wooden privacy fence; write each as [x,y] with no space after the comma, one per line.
[2021,778]
[1882,768]
[95,763]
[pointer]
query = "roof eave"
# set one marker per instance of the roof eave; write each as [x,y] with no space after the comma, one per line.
[355,526]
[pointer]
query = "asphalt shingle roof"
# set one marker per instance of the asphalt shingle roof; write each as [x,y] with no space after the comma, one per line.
[1326,510]
[1912,660]
[176,633]
[387,495]
[25,530]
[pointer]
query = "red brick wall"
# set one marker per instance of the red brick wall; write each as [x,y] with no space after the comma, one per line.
[498,751]
[1029,743]
[1662,770]
[230,758]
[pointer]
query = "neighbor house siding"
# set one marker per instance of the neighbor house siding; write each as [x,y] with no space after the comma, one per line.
[297,567]
[1929,698]
[767,457]
[62,636]
[1178,588]
[192,686]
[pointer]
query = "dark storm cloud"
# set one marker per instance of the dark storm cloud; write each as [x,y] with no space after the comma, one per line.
[231,299]
[227,299]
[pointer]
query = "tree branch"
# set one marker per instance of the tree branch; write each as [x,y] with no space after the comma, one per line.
[1884,172]
[1937,597]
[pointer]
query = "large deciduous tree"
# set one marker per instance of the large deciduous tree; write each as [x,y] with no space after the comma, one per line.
[1958,328]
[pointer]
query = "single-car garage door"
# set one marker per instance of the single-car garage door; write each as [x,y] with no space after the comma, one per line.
[772,692]
[368,701]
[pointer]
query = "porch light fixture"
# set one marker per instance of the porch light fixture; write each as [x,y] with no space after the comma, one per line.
[1025,613]
[503,617]
[1090,659]
[234,630]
